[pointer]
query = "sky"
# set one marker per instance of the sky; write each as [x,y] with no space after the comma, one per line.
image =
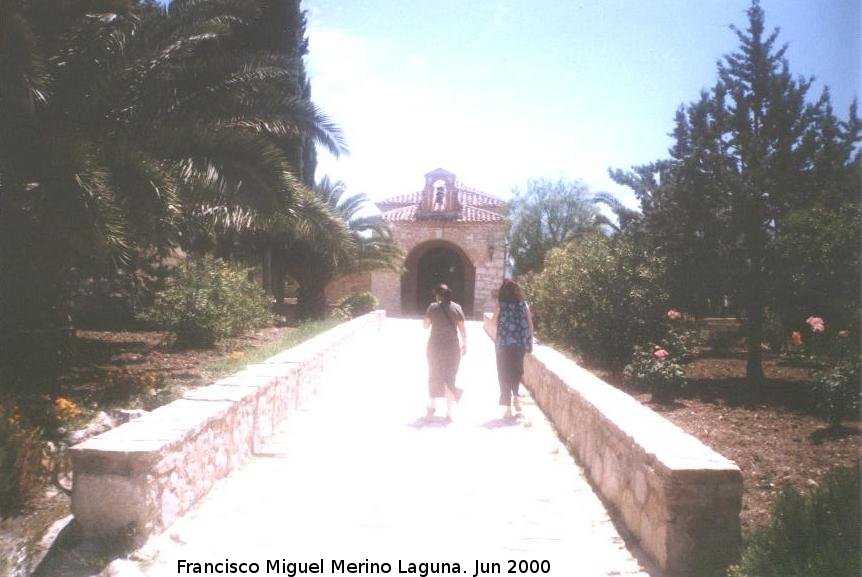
[502,91]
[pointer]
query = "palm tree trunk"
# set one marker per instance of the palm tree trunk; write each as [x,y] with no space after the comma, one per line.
[36,333]
[311,299]
[266,264]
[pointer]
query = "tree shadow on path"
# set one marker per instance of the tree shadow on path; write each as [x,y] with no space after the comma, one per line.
[71,555]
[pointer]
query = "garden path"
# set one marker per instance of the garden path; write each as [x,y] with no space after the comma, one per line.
[358,475]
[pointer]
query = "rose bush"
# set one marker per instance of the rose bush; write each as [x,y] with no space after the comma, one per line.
[657,371]
[837,393]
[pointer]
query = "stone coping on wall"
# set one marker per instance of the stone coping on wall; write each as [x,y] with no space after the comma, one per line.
[680,499]
[138,478]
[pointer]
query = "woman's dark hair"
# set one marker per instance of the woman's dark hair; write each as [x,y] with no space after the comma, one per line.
[510,292]
[444,293]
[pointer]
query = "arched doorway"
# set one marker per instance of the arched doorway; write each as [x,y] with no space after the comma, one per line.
[431,264]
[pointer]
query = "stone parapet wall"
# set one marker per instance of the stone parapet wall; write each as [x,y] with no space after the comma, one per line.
[138,478]
[678,497]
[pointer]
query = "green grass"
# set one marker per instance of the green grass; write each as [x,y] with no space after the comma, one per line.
[810,536]
[232,363]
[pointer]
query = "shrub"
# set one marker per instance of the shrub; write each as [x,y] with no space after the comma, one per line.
[21,453]
[814,536]
[601,297]
[817,265]
[114,298]
[358,304]
[681,344]
[125,385]
[206,300]
[837,391]
[774,331]
[658,371]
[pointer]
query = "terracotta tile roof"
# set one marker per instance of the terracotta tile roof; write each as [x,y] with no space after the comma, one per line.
[400,214]
[467,214]
[476,214]
[473,197]
[400,200]
[468,196]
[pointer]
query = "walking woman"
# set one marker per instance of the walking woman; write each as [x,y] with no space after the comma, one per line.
[514,340]
[446,320]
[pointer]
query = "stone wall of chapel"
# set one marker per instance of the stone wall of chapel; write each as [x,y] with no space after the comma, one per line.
[383,284]
[347,285]
[483,243]
[386,286]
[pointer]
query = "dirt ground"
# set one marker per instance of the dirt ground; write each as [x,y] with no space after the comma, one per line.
[772,434]
[116,369]
[139,369]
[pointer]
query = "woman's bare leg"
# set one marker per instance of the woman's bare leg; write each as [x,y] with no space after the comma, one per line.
[450,402]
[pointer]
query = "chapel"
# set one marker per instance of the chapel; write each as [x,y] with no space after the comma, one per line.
[450,234]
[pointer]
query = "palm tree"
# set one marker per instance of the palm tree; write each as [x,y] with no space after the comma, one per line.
[625,217]
[313,265]
[122,128]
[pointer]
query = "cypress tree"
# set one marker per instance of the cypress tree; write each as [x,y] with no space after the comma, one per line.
[747,157]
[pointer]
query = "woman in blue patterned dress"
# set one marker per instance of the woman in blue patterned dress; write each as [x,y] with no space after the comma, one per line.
[514,340]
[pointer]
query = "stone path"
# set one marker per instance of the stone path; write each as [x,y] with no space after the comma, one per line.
[358,475]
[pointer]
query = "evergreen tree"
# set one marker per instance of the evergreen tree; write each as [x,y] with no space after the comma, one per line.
[765,137]
[749,156]
[683,204]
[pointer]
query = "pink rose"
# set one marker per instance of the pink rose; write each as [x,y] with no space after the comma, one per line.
[674,314]
[660,354]
[796,338]
[816,323]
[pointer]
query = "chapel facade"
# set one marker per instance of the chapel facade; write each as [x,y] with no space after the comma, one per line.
[450,234]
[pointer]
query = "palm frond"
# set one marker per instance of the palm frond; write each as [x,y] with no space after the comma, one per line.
[23,77]
[625,215]
[189,17]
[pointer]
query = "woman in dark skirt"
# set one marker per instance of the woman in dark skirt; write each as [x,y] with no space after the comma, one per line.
[514,340]
[446,320]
